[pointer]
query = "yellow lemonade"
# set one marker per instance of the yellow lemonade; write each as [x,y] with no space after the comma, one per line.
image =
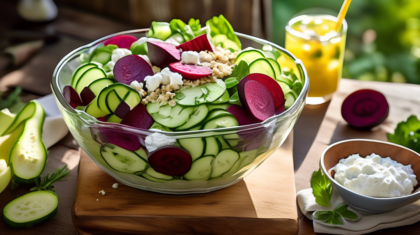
[312,39]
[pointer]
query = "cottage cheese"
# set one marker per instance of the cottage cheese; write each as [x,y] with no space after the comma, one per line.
[190,57]
[375,176]
[153,82]
[157,140]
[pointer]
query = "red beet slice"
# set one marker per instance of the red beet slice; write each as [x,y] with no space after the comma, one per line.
[191,72]
[71,96]
[161,54]
[242,115]
[170,160]
[122,41]
[87,96]
[122,110]
[365,109]
[102,119]
[130,68]
[118,137]
[273,87]
[138,117]
[256,99]
[200,43]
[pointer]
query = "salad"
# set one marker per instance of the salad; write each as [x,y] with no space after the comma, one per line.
[181,77]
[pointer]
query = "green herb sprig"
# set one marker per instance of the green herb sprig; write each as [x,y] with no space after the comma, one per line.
[47,182]
[407,134]
[321,188]
[335,216]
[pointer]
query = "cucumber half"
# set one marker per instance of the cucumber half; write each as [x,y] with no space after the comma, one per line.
[200,169]
[122,160]
[79,71]
[28,156]
[27,112]
[31,209]
[126,93]
[88,77]
[223,162]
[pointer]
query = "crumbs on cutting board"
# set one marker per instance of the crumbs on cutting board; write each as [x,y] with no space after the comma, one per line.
[102,192]
[115,185]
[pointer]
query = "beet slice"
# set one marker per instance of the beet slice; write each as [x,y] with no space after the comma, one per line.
[132,68]
[191,72]
[161,54]
[170,160]
[71,96]
[256,99]
[242,115]
[138,117]
[118,137]
[87,96]
[122,41]
[365,109]
[273,87]
[200,43]
[122,110]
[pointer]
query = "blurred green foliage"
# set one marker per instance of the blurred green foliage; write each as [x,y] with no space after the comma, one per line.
[383,38]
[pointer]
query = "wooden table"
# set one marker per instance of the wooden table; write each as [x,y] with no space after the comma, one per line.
[77,28]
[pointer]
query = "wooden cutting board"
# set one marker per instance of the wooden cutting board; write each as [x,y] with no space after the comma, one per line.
[263,203]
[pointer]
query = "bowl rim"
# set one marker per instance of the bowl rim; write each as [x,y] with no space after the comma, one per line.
[71,55]
[321,163]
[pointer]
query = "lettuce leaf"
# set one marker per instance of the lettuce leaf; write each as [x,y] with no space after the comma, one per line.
[407,134]
[196,27]
[220,26]
[178,26]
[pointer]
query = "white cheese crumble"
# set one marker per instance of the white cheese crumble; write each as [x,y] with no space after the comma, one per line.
[115,185]
[146,58]
[136,85]
[190,57]
[169,77]
[116,55]
[102,192]
[97,199]
[375,176]
[157,140]
[155,69]
[142,40]
[153,82]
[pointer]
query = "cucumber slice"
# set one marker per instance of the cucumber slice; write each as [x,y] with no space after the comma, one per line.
[26,113]
[79,71]
[102,54]
[262,66]
[198,127]
[195,146]
[206,93]
[157,126]
[151,178]
[153,107]
[231,137]
[178,117]
[276,66]
[122,160]
[247,157]
[165,111]
[213,147]
[28,156]
[93,110]
[158,175]
[112,101]
[223,162]
[284,87]
[88,77]
[218,106]
[139,49]
[233,142]
[159,30]
[290,99]
[222,142]
[98,85]
[114,119]
[221,122]
[142,153]
[198,115]
[249,56]
[223,99]
[177,37]
[200,169]
[5,175]
[216,114]
[128,94]
[31,209]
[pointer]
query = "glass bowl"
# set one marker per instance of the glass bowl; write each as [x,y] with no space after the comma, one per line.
[254,143]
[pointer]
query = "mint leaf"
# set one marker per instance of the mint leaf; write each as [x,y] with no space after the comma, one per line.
[407,134]
[241,70]
[321,188]
[345,213]
[329,217]
[220,26]
[231,82]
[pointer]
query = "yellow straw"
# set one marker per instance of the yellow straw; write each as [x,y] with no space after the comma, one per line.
[342,14]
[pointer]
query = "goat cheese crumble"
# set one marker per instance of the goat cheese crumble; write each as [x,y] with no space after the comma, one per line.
[157,140]
[153,82]
[171,78]
[190,57]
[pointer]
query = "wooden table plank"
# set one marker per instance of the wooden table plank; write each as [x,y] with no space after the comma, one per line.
[404,100]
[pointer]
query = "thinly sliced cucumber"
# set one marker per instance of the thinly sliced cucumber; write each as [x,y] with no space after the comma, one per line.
[27,112]
[197,116]
[290,100]
[139,49]
[249,56]
[128,94]
[102,57]
[150,171]
[206,93]
[93,110]
[223,162]
[31,209]
[114,119]
[112,101]
[177,37]
[200,169]
[122,160]
[157,126]
[142,153]
[195,146]
[284,87]
[153,107]
[221,122]
[98,85]
[216,114]
[5,175]
[233,142]
[79,71]
[88,77]
[262,66]
[28,156]
[222,142]
[151,178]
[247,157]
[213,147]
[178,117]
[231,137]
[159,30]
[223,99]
[218,106]
[198,127]
[165,111]
[276,66]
